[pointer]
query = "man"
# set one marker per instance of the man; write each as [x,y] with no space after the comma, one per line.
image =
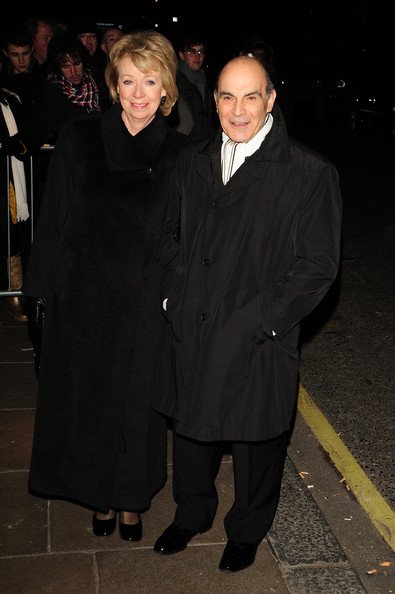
[86,31]
[18,49]
[22,75]
[193,113]
[253,246]
[41,30]
[109,39]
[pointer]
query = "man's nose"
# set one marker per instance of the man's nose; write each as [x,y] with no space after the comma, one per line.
[238,107]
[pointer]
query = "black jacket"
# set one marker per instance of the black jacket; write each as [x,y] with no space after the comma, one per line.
[203,113]
[255,256]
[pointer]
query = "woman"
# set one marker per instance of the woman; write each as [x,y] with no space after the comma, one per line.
[70,90]
[94,259]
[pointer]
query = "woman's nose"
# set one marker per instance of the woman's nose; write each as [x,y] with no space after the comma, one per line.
[138,90]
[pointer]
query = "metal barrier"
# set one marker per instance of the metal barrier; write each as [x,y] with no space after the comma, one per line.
[46,147]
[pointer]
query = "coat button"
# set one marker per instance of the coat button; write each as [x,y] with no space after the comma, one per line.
[217,204]
[207,262]
[203,317]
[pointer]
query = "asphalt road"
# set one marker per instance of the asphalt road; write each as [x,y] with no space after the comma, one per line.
[348,355]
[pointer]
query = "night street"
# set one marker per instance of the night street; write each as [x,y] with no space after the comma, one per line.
[334,530]
[348,367]
[348,348]
[323,540]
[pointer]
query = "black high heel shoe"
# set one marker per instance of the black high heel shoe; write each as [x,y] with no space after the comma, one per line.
[131,531]
[103,527]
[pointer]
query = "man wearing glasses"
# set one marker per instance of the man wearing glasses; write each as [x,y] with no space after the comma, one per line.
[193,113]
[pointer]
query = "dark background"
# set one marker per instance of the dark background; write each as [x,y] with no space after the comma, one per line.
[335,37]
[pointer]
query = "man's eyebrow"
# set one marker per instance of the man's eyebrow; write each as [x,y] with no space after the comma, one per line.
[246,95]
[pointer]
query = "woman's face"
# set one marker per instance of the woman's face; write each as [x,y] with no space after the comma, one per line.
[72,70]
[139,93]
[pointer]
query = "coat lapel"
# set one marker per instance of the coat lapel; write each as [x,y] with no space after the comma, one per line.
[274,148]
[125,152]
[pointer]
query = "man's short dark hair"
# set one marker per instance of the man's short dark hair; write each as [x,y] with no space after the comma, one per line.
[188,41]
[18,36]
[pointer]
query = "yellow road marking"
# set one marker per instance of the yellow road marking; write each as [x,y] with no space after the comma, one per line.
[380,513]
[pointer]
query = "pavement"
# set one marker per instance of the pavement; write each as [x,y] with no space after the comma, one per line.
[321,540]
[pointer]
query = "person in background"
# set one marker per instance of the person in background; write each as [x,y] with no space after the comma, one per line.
[251,246]
[22,74]
[194,114]
[18,49]
[60,23]
[19,139]
[97,441]
[41,31]
[86,31]
[70,90]
[259,49]
[109,38]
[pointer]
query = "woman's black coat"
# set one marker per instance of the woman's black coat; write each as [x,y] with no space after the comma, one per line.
[94,259]
[255,256]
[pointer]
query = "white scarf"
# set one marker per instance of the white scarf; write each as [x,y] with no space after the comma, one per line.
[233,154]
[18,170]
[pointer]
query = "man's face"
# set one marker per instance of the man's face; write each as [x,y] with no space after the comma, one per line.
[73,70]
[242,102]
[41,40]
[110,37]
[89,40]
[20,57]
[193,57]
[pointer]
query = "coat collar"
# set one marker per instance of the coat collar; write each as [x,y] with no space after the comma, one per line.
[276,147]
[125,152]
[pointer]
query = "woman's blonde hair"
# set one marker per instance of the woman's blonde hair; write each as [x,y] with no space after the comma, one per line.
[148,50]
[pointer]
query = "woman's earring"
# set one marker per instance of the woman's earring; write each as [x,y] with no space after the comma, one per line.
[163,99]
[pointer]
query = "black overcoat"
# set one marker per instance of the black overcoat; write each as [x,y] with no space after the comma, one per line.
[94,258]
[255,256]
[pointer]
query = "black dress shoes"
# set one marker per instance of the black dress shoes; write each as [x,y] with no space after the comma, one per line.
[131,531]
[103,527]
[173,540]
[237,556]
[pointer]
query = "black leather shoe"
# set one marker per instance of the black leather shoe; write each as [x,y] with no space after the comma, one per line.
[237,556]
[103,527]
[173,540]
[131,531]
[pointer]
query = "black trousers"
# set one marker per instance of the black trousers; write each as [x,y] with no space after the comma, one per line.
[258,470]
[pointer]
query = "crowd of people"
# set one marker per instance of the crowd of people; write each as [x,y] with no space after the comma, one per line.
[182,238]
